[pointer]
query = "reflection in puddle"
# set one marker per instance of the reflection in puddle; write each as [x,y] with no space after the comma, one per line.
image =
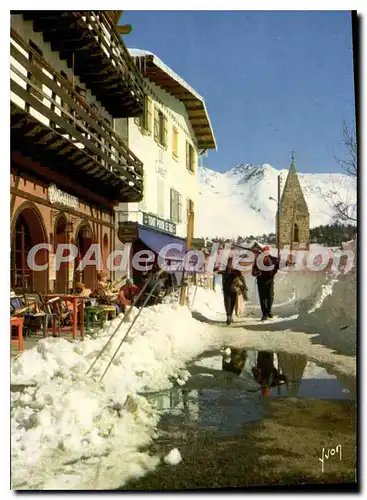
[227,390]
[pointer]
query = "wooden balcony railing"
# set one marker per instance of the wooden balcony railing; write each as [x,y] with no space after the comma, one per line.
[47,109]
[87,40]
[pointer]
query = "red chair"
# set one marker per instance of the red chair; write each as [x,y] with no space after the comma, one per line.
[18,324]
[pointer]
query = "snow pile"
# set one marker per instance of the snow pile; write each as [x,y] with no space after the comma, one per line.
[240,205]
[335,319]
[325,304]
[173,457]
[69,431]
[207,304]
[325,291]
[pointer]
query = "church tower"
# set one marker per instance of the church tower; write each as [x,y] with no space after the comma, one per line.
[294,220]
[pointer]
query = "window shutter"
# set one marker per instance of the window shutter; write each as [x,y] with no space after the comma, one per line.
[148,114]
[187,155]
[175,205]
[165,131]
[175,142]
[139,120]
[171,215]
[179,208]
[193,159]
[156,124]
[143,115]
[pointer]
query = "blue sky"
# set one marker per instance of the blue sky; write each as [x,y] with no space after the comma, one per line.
[273,81]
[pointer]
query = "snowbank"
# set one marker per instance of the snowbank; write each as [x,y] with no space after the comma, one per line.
[207,304]
[69,431]
[325,304]
[334,314]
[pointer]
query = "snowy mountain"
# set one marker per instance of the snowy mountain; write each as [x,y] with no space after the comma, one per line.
[237,202]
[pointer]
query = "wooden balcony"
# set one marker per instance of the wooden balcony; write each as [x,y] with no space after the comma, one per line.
[53,124]
[87,40]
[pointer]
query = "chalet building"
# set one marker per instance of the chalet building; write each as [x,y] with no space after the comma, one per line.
[170,135]
[71,76]
[294,218]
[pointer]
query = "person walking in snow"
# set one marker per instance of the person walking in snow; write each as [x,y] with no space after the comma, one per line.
[266,374]
[233,285]
[265,279]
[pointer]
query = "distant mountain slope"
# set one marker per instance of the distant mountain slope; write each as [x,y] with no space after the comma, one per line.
[237,202]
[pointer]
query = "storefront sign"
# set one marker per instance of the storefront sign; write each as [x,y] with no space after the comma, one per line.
[157,223]
[55,195]
[127,232]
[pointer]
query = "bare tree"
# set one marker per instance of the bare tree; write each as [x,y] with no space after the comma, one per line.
[345,209]
[349,165]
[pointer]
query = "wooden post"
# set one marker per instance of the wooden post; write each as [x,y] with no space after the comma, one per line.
[190,226]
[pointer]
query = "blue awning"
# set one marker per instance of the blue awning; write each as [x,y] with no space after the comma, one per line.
[157,241]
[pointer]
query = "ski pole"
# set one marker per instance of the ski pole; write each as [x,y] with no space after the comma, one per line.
[128,330]
[193,299]
[136,299]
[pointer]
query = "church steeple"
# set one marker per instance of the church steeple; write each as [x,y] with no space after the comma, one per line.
[292,167]
[294,214]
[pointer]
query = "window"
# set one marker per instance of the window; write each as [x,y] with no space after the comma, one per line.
[160,127]
[175,142]
[296,234]
[33,78]
[190,157]
[21,274]
[175,206]
[145,119]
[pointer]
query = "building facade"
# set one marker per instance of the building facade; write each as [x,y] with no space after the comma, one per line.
[172,133]
[294,218]
[71,76]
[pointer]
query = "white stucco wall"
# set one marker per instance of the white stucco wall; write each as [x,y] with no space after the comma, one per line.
[159,162]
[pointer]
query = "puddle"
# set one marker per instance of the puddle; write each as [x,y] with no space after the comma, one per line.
[250,418]
[229,389]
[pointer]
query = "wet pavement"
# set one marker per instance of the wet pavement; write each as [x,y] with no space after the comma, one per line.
[255,418]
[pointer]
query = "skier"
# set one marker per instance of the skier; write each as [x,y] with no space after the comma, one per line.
[233,285]
[265,280]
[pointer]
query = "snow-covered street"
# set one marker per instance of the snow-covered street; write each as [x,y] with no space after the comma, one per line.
[69,431]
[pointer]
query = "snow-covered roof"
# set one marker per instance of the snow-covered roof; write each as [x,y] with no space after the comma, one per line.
[156,70]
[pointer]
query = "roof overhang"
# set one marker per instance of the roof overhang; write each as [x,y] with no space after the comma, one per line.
[161,75]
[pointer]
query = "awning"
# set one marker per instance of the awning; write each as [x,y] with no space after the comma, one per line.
[157,241]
